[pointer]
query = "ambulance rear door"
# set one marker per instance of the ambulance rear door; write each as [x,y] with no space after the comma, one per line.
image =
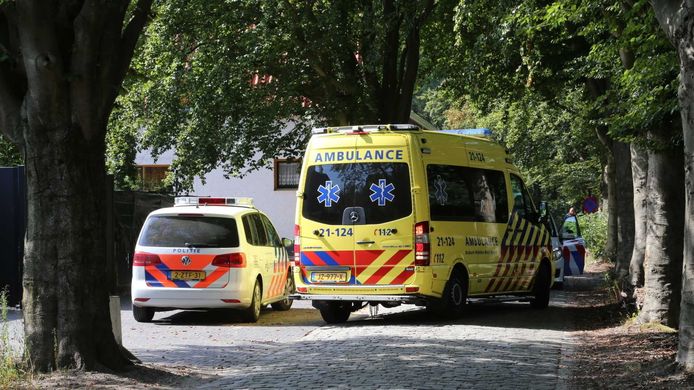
[382,212]
[327,238]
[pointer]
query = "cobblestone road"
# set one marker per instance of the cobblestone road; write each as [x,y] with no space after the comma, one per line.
[494,346]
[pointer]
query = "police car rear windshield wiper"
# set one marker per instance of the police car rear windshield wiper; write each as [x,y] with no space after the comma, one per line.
[197,245]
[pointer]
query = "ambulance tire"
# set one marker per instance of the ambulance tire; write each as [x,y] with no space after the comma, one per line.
[540,299]
[143,314]
[286,303]
[253,312]
[454,297]
[336,312]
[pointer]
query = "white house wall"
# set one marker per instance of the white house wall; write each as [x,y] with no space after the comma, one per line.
[279,205]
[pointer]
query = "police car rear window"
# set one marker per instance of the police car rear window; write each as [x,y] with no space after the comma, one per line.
[377,192]
[194,231]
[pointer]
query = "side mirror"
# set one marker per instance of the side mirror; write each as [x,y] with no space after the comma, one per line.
[287,243]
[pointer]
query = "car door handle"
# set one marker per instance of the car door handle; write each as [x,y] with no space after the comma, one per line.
[365,242]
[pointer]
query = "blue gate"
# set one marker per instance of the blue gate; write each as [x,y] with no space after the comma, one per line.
[12,225]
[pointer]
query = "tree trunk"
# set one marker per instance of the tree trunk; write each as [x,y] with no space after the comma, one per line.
[665,227]
[625,209]
[66,277]
[609,177]
[63,66]
[639,172]
[677,20]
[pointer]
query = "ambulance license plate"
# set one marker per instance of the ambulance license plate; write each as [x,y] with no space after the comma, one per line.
[329,277]
[187,275]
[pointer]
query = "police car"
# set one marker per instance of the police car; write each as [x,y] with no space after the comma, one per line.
[392,214]
[569,248]
[209,253]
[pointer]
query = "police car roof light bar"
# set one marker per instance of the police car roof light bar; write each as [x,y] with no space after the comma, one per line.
[204,201]
[365,128]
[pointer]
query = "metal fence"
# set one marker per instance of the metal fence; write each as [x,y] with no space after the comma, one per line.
[126,212]
[12,225]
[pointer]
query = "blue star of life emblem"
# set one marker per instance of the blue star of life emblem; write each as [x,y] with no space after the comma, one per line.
[382,192]
[329,193]
[440,194]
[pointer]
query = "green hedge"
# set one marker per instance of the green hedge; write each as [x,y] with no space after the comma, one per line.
[594,231]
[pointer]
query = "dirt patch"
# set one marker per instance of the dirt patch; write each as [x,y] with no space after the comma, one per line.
[615,353]
[137,377]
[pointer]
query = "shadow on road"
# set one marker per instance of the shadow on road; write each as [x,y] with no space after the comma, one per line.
[268,317]
[381,360]
[559,316]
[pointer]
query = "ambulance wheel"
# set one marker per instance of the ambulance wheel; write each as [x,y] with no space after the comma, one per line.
[286,303]
[454,297]
[143,314]
[541,288]
[336,312]
[253,312]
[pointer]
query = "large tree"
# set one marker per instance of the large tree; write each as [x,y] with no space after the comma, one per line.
[61,68]
[677,20]
[219,87]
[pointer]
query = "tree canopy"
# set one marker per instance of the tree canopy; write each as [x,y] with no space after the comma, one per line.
[235,89]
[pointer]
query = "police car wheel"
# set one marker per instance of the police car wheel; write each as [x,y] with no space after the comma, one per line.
[253,312]
[541,288]
[286,303]
[336,312]
[143,314]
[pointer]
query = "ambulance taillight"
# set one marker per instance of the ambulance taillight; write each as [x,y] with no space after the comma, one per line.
[230,260]
[422,246]
[297,245]
[141,259]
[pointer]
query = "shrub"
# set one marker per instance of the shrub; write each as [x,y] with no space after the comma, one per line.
[10,371]
[594,231]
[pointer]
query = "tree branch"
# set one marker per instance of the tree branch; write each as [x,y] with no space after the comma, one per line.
[114,74]
[668,14]
[410,64]
[43,63]
[389,85]
[84,87]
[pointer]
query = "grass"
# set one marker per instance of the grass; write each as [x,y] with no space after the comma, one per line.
[11,371]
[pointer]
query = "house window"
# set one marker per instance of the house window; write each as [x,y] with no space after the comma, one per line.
[286,173]
[151,177]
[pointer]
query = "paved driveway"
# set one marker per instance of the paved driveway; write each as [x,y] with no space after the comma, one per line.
[493,346]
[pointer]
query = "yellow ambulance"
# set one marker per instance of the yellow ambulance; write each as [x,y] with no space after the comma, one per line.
[391,214]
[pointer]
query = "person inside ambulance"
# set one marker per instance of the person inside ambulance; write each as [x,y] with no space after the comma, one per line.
[485,206]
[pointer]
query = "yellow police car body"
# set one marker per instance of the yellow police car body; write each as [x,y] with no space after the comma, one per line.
[209,253]
[391,214]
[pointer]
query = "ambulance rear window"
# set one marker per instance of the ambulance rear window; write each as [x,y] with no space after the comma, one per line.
[194,231]
[380,192]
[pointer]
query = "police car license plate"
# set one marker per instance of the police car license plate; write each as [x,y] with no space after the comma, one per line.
[187,275]
[329,277]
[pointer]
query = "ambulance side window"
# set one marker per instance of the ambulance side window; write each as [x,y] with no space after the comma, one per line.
[467,194]
[521,199]
[492,202]
[450,195]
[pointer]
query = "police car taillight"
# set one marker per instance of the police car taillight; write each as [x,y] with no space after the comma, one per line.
[297,245]
[422,246]
[230,260]
[141,259]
